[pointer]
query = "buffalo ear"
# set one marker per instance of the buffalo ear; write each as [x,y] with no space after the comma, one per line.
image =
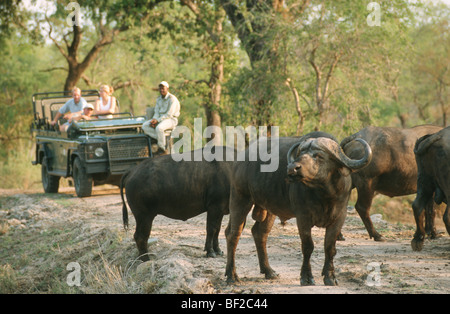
[345,171]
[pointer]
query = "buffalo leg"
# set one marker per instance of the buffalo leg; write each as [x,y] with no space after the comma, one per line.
[306,277]
[419,236]
[423,198]
[216,246]
[239,210]
[430,215]
[331,236]
[213,222]
[362,206]
[446,218]
[141,235]
[260,231]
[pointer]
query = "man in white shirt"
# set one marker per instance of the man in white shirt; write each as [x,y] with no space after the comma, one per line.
[167,110]
[75,105]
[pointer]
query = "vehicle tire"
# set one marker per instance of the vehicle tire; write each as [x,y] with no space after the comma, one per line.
[82,180]
[49,182]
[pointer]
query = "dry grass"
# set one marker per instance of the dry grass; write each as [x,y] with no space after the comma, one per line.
[55,230]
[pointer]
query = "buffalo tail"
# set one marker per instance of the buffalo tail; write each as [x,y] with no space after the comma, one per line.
[124,207]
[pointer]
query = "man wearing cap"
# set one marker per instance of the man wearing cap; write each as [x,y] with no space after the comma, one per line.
[167,110]
[86,114]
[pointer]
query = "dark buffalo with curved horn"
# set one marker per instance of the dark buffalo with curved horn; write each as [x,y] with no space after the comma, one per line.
[392,171]
[315,190]
[433,164]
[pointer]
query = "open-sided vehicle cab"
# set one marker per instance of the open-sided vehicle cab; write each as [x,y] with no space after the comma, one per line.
[92,152]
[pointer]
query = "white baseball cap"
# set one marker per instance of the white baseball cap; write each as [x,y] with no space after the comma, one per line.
[89,106]
[164,83]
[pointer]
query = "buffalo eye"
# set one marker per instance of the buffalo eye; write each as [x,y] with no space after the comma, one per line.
[318,156]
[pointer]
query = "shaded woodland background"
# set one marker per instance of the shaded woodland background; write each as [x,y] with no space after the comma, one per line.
[301,65]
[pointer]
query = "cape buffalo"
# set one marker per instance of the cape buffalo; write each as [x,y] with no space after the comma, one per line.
[392,171]
[433,163]
[316,194]
[178,190]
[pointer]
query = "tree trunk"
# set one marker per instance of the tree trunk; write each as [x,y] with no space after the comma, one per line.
[252,33]
[257,40]
[215,31]
[73,77]
[297,106]
[216,78]
[440,92]
[212,110]
[70,53]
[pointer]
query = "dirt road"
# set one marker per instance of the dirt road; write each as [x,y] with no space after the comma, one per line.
[41,234]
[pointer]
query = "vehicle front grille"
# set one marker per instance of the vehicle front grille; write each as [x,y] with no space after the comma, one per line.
[125,153]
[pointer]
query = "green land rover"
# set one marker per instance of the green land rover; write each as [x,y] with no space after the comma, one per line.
[92,152]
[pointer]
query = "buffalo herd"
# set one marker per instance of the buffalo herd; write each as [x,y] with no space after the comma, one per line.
[312,183]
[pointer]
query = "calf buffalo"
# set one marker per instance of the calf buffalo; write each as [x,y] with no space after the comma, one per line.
[316,193]
[433,163]
[392,171]
[178,190]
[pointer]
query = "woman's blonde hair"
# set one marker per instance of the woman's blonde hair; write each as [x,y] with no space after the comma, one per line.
[108,89]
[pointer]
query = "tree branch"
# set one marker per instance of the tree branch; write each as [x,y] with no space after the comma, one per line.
[318,78]
[54,69]
[198,82]
[92,54]
[87,80]
[194,8]
[330,71]
[289,84]
[61,50]
[237,19]
[73,48]
[302,6]
[126,84]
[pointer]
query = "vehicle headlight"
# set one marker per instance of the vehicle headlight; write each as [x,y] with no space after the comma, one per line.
[99,152]
[96,151]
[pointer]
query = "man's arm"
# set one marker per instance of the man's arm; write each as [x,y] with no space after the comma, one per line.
[63,110]
[55,120]
[82,116]
[70,115]
[156,112]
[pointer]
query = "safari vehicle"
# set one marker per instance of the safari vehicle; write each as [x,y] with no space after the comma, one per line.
[92,152]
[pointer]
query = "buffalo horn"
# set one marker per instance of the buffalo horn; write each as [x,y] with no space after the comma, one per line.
[292,152]
[335,150]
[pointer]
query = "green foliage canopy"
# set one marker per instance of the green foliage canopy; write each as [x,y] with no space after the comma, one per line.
[300,65]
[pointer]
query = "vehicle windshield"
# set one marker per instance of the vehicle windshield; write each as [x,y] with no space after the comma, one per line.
[86,125]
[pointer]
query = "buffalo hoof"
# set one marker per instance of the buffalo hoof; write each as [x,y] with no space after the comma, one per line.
[307,281]
[214,253]
[144,257]
[433,235]
[271,274]
[379,238]
[211,254]
[340,237]
[233,279]
[330,281]
[417,245]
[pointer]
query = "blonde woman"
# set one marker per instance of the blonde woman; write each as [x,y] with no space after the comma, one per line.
[106,105]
